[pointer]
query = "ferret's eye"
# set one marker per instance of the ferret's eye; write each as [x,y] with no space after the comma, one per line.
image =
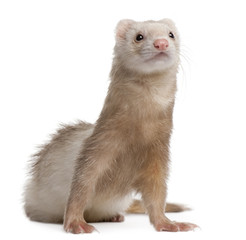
[139,37]
[171,35]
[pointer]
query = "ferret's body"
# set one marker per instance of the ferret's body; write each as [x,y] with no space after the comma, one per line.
[90,171]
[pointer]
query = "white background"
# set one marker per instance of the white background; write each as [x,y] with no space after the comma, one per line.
[55,58]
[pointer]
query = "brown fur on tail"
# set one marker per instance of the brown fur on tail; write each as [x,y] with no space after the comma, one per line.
[138,207]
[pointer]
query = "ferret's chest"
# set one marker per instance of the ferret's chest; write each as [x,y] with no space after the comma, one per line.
[148,122]
[159,93]
[140,112]
[163,95]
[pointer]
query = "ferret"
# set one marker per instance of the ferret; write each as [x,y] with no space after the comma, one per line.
[90,172]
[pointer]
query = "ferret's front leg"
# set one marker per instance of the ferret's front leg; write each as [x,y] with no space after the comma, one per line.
[84,181]
[93,162]
[152,185]
[82,188]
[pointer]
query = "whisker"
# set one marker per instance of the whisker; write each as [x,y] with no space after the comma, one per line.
[185,61]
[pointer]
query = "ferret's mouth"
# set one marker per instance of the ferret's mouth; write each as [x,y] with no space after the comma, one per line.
[159,56]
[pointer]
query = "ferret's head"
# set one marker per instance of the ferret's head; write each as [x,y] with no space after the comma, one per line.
[147,47]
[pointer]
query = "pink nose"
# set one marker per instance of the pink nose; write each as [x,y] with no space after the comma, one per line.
[161,44]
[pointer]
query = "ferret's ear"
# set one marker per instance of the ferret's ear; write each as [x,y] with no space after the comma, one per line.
[122,27]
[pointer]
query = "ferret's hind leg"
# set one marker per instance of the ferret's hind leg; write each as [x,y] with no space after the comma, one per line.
[117,218]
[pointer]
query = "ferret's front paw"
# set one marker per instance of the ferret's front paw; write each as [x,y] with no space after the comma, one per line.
[78,227]
[175,226]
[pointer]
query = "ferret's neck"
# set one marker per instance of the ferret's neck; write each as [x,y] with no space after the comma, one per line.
[138,95]
[133,88]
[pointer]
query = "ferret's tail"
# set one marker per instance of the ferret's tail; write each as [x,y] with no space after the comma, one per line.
[138,207]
